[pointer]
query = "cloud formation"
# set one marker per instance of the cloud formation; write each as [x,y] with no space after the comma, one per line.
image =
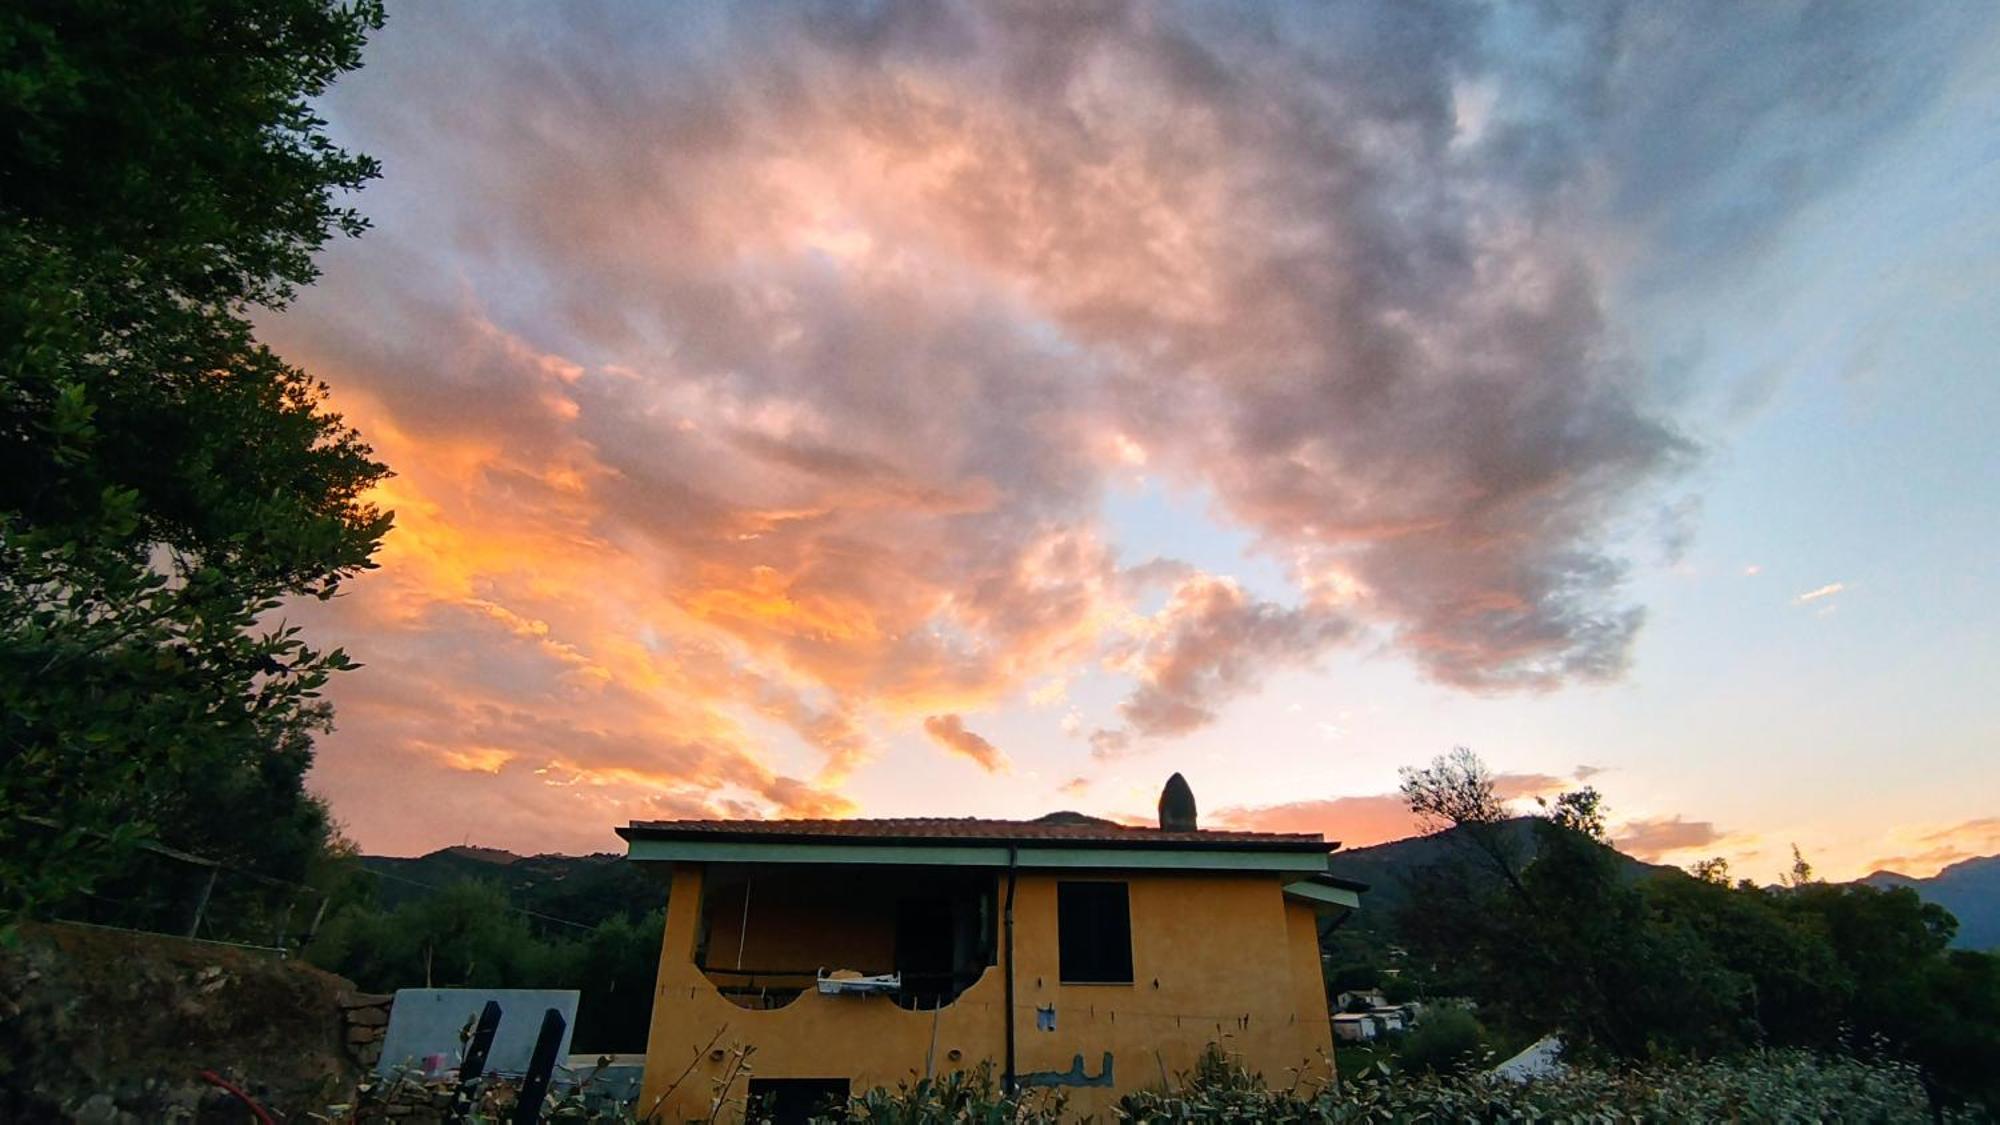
[1211,643]
[1362,821]
[1650,839]
[1935,849]
[949,732]
[1356,822]
[754,374]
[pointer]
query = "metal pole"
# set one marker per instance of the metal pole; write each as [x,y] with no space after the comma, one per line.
[535,1084]
[1013,861]
[312,930]
[743,931]
[284,922]
[475,1062]
[201,904]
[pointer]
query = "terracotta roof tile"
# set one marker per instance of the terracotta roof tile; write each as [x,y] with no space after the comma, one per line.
[967,830]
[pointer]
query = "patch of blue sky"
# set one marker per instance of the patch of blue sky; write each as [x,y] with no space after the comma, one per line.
[1152,518]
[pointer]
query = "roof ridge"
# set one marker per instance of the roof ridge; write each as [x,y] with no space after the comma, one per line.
[968,829]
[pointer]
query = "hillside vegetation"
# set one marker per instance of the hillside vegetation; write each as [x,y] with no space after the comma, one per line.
[1970,889]
[481,918]
[1545,928]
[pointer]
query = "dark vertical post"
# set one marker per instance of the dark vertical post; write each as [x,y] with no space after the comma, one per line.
[318,915]
[1007,1082]
[482,1043]
[475,1061]
[535,1085]
[201,904]
[284,923]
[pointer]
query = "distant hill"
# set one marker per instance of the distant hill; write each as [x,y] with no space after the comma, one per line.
[590,889]
[1970,889]
[1388,868]
[584,889]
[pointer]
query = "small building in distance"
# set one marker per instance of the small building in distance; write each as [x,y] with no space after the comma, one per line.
[1071,952]
[1355,1027]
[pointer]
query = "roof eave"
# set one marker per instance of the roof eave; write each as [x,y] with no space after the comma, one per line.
[633,833]
[1045,854]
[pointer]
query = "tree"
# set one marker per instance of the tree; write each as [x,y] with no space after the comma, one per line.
[166,482]
[1541,923]
[1550,929]
[1580,811]
[1456,792]
[1712,870]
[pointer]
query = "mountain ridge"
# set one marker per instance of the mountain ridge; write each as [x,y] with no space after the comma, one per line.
[589,889]
[1970,889]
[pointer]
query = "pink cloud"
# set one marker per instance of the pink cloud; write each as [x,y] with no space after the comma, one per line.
[1650,839]
[760,378]
[949,732]
[1939,848]
[1212,642]
[1356,822]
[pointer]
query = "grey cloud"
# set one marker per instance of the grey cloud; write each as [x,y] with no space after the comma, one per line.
[852,297]
[1652,838]
[1213,642]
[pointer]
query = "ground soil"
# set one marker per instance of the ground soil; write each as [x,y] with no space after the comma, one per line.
[109,1026]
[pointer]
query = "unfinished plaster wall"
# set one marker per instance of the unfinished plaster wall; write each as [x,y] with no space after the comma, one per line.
[790,929]
[1219,958]
[870,1040]
[1215,959]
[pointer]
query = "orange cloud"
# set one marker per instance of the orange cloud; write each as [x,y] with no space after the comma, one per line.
[1939,848]
[1653,838]
[793,420]
[1356,822]
[949,732]
[1363,821]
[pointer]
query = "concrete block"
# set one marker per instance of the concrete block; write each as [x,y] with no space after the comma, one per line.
[424,1027]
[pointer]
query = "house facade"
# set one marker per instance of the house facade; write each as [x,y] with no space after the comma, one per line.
[809,959]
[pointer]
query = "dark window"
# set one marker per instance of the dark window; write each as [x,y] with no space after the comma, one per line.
[783,1101]
[1094,930]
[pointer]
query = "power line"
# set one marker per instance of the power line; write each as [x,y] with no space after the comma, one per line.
[509,907]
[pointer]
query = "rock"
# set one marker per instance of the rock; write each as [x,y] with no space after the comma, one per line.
[367,1000]
[98,1109]
[368,1017]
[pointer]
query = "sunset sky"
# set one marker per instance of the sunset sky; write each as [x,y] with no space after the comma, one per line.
[889,409]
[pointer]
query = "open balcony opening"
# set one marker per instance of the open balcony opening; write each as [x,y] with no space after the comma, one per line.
[769,933]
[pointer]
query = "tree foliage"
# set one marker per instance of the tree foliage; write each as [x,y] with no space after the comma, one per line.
[1549,929]
[166,481]
[468,935]
[1757,1086]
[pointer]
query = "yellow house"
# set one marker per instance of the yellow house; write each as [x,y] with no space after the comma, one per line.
[832,956]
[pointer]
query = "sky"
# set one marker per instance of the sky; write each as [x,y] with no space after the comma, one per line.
[898,409]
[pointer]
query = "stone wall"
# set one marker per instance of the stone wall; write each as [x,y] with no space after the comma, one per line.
[106,1026]
[364,1019]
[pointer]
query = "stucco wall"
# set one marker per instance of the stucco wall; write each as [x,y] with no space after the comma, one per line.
[1216,958]
[786,929]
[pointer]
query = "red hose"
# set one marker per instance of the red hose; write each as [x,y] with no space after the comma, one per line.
[229,1087]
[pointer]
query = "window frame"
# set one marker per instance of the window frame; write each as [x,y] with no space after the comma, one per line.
[1104,959]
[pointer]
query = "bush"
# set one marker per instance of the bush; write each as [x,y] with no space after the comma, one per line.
[1446,1038]
[967,1096]
[1762,1086]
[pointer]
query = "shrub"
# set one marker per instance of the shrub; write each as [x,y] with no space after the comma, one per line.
[1763,1086]
[959,1096]
[1445,1039]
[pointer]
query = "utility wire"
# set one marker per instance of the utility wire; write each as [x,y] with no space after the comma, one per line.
[516,909]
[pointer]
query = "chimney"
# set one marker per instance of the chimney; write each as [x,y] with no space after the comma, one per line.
[1177,806]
